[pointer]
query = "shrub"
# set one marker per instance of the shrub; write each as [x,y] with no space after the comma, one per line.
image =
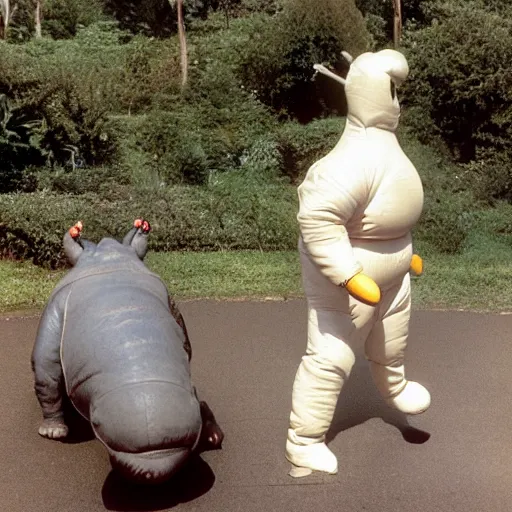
[65,116]
[202,134]
[149,17]
[62,18]
[458,79]
[379,17]
[107,181]
[489,176]
[232,213]
[278,61]
[496,221]
[19,146]
[302,145]
[446,221]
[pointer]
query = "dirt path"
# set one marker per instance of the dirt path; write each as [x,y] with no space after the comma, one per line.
[455,457]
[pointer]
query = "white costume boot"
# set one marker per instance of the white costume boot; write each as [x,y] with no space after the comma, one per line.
[385,349]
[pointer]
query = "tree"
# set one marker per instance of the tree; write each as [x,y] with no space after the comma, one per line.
[150,17]
[178,4]
[38,15]
[5,17]
[278,61]
[397,22]
[459,87]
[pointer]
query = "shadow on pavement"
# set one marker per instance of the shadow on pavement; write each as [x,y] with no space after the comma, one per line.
[360,401]
[80,430]
[193,481]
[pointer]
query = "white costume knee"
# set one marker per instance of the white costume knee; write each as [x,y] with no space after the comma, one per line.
[385,349]
[318,382]
[336,322]
[320,377]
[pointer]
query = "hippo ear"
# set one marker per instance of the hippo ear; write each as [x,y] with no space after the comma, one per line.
[140,244]
[127,240]
[137,237]
[72,245]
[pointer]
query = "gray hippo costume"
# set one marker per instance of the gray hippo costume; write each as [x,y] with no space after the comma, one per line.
[113,340]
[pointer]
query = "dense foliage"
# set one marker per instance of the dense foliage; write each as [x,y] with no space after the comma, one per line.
[460,85]
[94,123]
[278,64]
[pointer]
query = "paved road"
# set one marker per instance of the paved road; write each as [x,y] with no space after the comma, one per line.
[455,457]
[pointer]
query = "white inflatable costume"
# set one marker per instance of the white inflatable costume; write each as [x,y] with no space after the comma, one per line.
[357,207]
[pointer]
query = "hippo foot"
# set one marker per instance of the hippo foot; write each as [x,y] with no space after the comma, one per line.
[212,435]
[53,428]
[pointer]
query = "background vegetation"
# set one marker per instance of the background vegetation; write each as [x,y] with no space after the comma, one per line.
[94,123]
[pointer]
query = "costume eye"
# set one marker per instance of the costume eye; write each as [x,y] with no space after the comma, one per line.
[393,89]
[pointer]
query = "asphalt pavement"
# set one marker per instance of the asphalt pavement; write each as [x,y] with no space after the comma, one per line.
[455,457]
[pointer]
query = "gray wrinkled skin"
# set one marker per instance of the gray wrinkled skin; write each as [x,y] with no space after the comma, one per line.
[112,339]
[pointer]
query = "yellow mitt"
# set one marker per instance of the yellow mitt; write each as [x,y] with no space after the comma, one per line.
[364,288]
[417,264]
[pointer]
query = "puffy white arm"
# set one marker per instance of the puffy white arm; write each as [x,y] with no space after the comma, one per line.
[325,208]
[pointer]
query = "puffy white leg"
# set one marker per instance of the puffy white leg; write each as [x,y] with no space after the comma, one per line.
[334,321]
[385,349]
[318,382]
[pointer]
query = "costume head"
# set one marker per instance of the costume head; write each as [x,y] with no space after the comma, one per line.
[370,88]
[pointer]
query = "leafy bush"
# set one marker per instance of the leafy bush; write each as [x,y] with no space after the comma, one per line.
[64,114]
[302,145]
[278,60]
[471,114]
[379,17]
[446,221]
[233,213]
[19,146]
[62,18]
[496,221]
[148,17]
[459,88]
[489,176]
[107,181]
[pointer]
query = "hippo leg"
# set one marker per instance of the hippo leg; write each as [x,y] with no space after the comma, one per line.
[175,312]
[46,365]
[211,435]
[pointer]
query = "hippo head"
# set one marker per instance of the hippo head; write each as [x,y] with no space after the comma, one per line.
[135,243]
[370,87]
[150,429]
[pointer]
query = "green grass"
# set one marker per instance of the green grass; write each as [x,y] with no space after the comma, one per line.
[241,274]
[479,279]
[189,275]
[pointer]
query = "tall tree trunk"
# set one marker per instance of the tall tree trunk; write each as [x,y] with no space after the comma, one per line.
[4,18]
[397,22]
[183,44]
[37,18]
